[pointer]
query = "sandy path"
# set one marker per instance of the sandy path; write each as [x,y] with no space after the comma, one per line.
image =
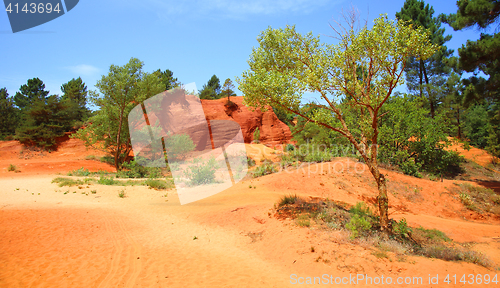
[54,239]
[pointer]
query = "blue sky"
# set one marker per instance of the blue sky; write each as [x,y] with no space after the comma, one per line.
[194,39]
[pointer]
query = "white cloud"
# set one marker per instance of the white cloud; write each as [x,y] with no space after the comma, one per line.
[84,70]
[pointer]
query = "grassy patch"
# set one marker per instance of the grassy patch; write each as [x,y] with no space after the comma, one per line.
[159,184]
[362,227]
[80,172]
[478,199]
[266,168]
[62,181]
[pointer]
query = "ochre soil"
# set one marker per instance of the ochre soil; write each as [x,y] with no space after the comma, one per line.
[147,239]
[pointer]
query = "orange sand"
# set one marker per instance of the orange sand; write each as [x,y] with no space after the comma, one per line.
[52,239]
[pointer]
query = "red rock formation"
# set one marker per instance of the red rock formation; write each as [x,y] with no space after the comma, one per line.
[272,130]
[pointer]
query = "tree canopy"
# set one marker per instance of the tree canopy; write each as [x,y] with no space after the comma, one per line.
[120,90]
[355,77]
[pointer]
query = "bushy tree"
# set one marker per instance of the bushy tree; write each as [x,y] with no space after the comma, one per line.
[75,94]
[121,90]
[211,90]
[364,67]
[483,56]
[9,114]
[413,141]
[33,91]
[168,79]
[43,121]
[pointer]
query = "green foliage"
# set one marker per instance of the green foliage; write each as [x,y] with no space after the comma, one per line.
[483,54]
[358,225]
[167,79]
[212,89]
[29,93]
[132,169]
[288,200]
[401,229]
[427,74]
[200,172]
[250,162]
[413,141]
[178,146]
[103,180]
[80,172]
[355,77]
[122,194]
[289,147]
[158,184]
[62,181]
[9,115]
[265,168]
[120,91]
[477,126]
[43,121]
[256,135]
[12,168]
[303,220]
[75,94]
[227,89]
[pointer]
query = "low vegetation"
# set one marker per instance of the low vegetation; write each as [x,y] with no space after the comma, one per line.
[13,168]
[362,226]
[477,198]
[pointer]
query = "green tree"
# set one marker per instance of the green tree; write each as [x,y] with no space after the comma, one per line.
[75,94]
[43,121]
[483,56]
[366,66]
[227,89]
[29,93]
[433,70]
[167,78]
[9,114]
[211,90]
[120,91]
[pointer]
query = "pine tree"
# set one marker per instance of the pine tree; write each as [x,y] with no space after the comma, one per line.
[9,114]
[227,89]
[434,70]
[29,93]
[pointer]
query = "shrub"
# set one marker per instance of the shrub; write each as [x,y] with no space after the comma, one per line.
[358,225]
[250,162]
[12,168]
[287,200]
[67,182]
[132,169]
[106,181]
[178,145]
[264,169]
[122,194]
[80,172]
[256,135]
[411,168]
[201,172]
[90,157]
[361,209]
[289,147]
[159,184]
[401,229]
[303,220]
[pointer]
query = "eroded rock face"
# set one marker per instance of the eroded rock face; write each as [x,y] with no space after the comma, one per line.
[272,130]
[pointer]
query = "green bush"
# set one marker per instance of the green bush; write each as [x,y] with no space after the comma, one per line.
[411,168]
[178,146]
[106,181]
[289,147]
[80,172]
[132,169]
[401,229]
[12,168]
[256,135]
[264,169]
[287,200]
[358,225]
[200,172]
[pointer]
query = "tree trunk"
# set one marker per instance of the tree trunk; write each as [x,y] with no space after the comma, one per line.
[118,146]
[420,76]
[383,203]
[431,98]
